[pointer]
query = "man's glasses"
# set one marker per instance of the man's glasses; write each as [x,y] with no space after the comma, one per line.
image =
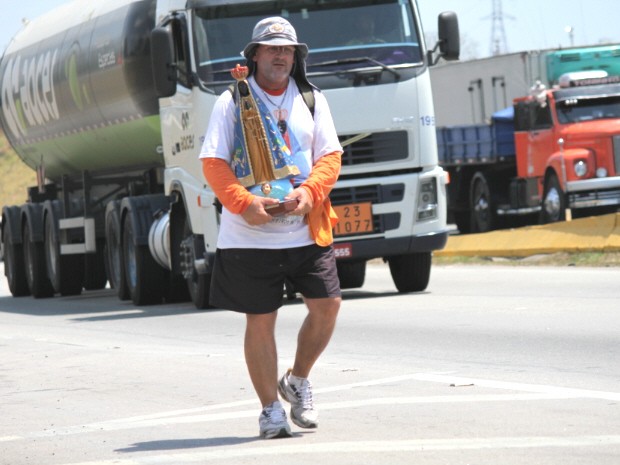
[280,50]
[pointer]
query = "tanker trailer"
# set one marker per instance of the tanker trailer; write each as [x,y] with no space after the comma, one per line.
[79,106]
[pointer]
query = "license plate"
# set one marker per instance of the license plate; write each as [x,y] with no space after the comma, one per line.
[355,218]
[343,250]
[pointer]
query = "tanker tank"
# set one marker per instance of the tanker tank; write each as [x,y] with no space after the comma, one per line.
[77,92]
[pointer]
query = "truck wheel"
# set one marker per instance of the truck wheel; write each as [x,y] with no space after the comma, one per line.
[481,206]
[411,272]
[289,290]
[177,289]
[351,274]
[114,251]
[463,221]
[64,271]
[95,277]
[199,285]
[554,203]
[14,268]
[36,273]
[145,278]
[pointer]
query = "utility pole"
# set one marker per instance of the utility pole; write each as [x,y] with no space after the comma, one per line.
[499,44]
[570,30]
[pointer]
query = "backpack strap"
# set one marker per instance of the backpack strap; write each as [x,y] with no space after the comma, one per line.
[305,89]
[307,93]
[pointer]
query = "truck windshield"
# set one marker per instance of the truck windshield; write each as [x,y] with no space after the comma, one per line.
[351,42]
[576,110]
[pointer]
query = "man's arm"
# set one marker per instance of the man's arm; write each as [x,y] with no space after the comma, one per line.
[236,198]
[323,177]
[314,190]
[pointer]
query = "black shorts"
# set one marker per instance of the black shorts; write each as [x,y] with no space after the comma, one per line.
[252,280]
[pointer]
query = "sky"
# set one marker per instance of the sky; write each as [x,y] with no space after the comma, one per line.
[527,24]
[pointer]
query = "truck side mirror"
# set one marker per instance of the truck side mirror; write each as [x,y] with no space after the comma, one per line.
[448,41]
[162,62]
[448,31]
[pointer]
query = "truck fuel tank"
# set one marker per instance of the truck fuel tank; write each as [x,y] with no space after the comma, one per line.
[77,91]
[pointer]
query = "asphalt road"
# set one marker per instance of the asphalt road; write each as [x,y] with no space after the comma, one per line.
[491,365]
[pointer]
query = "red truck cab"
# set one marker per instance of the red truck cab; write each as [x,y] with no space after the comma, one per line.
[567,142]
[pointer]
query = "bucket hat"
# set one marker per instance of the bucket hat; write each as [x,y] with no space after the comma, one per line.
[274,31]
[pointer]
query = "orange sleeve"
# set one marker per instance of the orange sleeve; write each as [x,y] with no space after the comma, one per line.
[322,218]
[323,177]
[225,185]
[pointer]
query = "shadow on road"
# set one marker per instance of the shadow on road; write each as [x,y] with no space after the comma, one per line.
[354,294]
[175,444]
[98,305]
[104,305]
[172,444]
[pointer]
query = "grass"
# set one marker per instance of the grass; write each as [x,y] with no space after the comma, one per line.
[15,175]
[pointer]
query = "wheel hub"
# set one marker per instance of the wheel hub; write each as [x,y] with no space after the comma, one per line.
[552,203]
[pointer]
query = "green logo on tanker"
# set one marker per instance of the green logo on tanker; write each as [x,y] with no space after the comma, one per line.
[71,73]
[28,94]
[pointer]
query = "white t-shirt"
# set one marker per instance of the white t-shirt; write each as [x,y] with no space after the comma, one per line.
[310,139]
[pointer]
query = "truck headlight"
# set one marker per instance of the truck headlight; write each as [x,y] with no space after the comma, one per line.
[601,173]
[581,168]
[427,200]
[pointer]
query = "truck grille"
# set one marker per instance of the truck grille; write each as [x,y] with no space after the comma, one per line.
[594,199]
[375,194]
[375,148]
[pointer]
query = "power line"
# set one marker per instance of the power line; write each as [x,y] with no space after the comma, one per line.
[499,43]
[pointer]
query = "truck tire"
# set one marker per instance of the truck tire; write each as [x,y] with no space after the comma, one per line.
[554,202]
[36,271]
[14,268]
[481,205]
[351,274]
[65,272]
[114,251]
[289,290]
[95,276]
[463,221]
[199,285]
[145,278]
[411,272]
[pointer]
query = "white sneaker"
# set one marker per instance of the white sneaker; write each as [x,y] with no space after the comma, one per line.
[300,398]
[272,422]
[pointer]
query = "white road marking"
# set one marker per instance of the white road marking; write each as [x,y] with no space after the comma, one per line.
[166,420]
[541,388]
[273,448]
[203,414]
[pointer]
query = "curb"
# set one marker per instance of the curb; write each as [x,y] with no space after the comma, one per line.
[593,234]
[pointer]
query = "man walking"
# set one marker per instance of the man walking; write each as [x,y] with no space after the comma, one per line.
[258,251]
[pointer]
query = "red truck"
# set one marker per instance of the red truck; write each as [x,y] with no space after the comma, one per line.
[555,152]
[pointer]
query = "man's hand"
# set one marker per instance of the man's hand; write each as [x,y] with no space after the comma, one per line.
[305,201]
[255,214]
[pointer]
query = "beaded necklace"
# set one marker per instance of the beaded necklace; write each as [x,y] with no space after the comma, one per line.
[282,126]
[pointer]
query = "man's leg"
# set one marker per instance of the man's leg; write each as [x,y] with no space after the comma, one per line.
[261,355]
[315,333]
[262,360]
